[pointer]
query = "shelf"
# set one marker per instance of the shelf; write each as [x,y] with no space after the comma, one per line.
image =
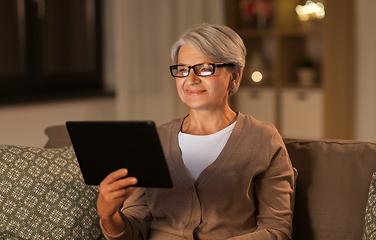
[276,51]
[298,86]
[327,42]
[273,33]
[254,33]
[249,85]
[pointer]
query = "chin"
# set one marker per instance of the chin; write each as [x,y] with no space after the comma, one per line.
[194,105]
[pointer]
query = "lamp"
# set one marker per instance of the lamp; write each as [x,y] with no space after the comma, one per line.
[257,70]
[310,15]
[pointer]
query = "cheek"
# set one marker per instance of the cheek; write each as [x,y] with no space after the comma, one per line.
[221,85]
[179,87]
[179,84]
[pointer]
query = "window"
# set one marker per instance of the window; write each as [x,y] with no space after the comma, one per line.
[49,49]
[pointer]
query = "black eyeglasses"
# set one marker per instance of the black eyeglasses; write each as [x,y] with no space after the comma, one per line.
[204,69]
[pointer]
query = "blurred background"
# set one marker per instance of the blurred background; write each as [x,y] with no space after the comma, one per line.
[310,65]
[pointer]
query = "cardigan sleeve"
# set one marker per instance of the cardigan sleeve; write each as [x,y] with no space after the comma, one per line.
[137,218]
[273,193]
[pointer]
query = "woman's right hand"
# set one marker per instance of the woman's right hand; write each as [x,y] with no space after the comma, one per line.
[113,191]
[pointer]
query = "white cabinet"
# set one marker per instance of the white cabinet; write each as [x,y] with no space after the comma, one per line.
[260,103]
[302,113]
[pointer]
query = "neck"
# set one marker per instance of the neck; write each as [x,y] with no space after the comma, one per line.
[208,122]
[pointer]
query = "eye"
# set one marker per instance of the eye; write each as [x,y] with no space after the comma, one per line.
[205,70]
[207,73]
[182,70]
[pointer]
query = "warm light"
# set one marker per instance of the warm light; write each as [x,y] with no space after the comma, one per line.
[310,10]
[256,76]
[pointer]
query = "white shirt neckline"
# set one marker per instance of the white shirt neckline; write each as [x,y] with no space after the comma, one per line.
[199,151]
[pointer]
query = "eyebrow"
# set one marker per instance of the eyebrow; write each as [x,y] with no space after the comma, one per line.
[193,64]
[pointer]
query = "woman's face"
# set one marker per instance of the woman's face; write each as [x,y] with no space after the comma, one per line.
[198,92]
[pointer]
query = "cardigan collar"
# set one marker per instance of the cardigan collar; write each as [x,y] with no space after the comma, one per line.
[225,154]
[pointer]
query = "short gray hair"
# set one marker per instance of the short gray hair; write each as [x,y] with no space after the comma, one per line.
[218,42]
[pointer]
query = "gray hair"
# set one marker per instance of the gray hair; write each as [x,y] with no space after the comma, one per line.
[218,42]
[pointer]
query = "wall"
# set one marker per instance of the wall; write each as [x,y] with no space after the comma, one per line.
[144,31]
[365,113]
[338,69]
[25,124]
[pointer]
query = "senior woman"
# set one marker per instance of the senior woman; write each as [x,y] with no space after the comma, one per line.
[231,173]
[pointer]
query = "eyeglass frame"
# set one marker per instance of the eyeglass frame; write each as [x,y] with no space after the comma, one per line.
[214,65]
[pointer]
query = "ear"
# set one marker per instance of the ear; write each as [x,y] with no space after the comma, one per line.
[236,77]
[232,85]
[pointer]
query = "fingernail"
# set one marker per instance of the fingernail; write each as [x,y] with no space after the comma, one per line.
[134,180]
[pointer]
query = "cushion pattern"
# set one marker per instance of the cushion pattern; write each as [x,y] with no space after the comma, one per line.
[43,195]
[370,219]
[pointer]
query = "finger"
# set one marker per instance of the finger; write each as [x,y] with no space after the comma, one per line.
[109,204]
[123,183]
[116,175]
[123,194]
[120,184]
[112,201]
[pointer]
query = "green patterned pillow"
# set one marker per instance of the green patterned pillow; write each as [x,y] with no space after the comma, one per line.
[43,196]
[370,219]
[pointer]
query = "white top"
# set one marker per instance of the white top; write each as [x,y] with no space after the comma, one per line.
[199,151]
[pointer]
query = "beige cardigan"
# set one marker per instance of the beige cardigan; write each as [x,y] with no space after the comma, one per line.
[244,194]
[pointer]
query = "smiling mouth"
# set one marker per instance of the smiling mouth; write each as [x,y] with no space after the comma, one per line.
[195,92]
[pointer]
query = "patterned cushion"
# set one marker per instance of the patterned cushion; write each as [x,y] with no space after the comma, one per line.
[43,195]
[370,219]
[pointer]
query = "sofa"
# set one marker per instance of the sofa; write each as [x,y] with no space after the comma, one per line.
[332,188]
[43,195]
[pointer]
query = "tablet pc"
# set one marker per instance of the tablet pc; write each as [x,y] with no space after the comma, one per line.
[102,147]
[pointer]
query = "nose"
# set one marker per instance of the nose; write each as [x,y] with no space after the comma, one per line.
[192,78]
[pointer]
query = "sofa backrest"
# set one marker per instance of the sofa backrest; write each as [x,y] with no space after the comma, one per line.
[332,187]
[58,137]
